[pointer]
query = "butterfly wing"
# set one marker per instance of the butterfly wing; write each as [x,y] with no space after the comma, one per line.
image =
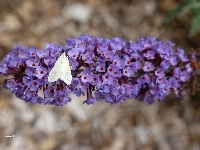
[61,70]
[55,72]
[65,71]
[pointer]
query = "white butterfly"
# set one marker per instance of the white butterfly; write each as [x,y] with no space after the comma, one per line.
[61,70]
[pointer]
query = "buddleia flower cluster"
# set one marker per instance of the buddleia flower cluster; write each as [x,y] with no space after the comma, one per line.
[111,70]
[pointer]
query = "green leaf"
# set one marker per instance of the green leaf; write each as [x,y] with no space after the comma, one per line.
[178,10]
[195,24]
[194,6]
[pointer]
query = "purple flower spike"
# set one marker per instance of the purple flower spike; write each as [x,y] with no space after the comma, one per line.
[111,70]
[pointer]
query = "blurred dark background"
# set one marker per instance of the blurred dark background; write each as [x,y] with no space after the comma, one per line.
[133,125]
